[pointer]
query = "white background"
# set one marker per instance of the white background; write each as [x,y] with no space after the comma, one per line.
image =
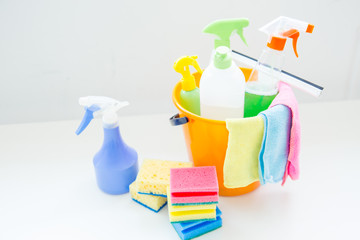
[49,192]
[52,52]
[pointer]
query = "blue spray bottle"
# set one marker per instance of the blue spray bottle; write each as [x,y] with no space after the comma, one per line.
[116,164]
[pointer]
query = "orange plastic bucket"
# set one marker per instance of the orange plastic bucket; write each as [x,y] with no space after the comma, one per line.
[207,139]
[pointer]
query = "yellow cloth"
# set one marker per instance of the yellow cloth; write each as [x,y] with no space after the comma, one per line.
[244,144]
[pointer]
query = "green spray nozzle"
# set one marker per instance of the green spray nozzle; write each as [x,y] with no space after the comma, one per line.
[222,58]
[224,28]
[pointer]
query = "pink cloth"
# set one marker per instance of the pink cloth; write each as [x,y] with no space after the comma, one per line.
[287,98]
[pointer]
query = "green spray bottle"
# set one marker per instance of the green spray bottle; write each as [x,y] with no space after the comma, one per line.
[262,87]
[224,28]
[189,95]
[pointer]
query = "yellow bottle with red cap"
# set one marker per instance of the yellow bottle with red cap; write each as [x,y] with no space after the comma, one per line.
[261,88]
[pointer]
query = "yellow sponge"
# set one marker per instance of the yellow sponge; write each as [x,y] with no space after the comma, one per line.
[154,176]
[154,203]
[192,215]
[191,212]
[189,207]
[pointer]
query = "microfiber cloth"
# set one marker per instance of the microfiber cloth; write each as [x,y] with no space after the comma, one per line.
[190,230]
[241,159]
[287,98]
[275,144]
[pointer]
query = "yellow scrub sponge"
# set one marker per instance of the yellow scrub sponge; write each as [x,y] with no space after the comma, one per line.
[154,203]
[188,207]
[192,215]
[154,176]
[191,212]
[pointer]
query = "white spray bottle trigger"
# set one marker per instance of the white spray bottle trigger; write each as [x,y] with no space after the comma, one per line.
[284,24]
[283,28]
[96,106]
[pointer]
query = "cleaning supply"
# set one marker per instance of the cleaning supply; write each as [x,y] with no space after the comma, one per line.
[116,164]
[207,140]
[287,98]
[154,176]
[261,88]
[185,213]
[190,230]
[154,203]
[193,194]
[224,28]
[295,81]
[188,216]
[244,143]
[197,185]
[222,84]
[275,144]
[190,207]
[222,88]
[189,95]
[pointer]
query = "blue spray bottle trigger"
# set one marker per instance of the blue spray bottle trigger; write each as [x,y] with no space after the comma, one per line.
[88,116]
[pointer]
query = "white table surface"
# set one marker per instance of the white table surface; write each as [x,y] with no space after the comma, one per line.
[48,188]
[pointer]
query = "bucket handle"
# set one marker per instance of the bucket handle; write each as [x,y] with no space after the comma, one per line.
[176,120]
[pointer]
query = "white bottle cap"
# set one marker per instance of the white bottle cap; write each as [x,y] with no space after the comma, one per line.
[110,119]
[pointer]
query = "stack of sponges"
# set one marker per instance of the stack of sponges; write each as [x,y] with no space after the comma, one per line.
[192,196]
[189,230]
[152,181]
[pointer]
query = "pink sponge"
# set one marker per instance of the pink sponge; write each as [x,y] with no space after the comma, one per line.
[196,185]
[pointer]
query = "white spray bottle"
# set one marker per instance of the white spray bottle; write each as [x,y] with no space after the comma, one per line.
[222,84]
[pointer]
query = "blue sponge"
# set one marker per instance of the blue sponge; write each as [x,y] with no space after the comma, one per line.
[189,230]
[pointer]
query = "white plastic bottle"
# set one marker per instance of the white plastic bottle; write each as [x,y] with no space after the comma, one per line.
[222,88]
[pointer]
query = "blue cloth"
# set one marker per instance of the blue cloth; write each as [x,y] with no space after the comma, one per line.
[189,230]
[275,144]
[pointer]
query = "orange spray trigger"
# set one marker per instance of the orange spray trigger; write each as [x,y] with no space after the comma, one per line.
[294,35]
[310,28]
